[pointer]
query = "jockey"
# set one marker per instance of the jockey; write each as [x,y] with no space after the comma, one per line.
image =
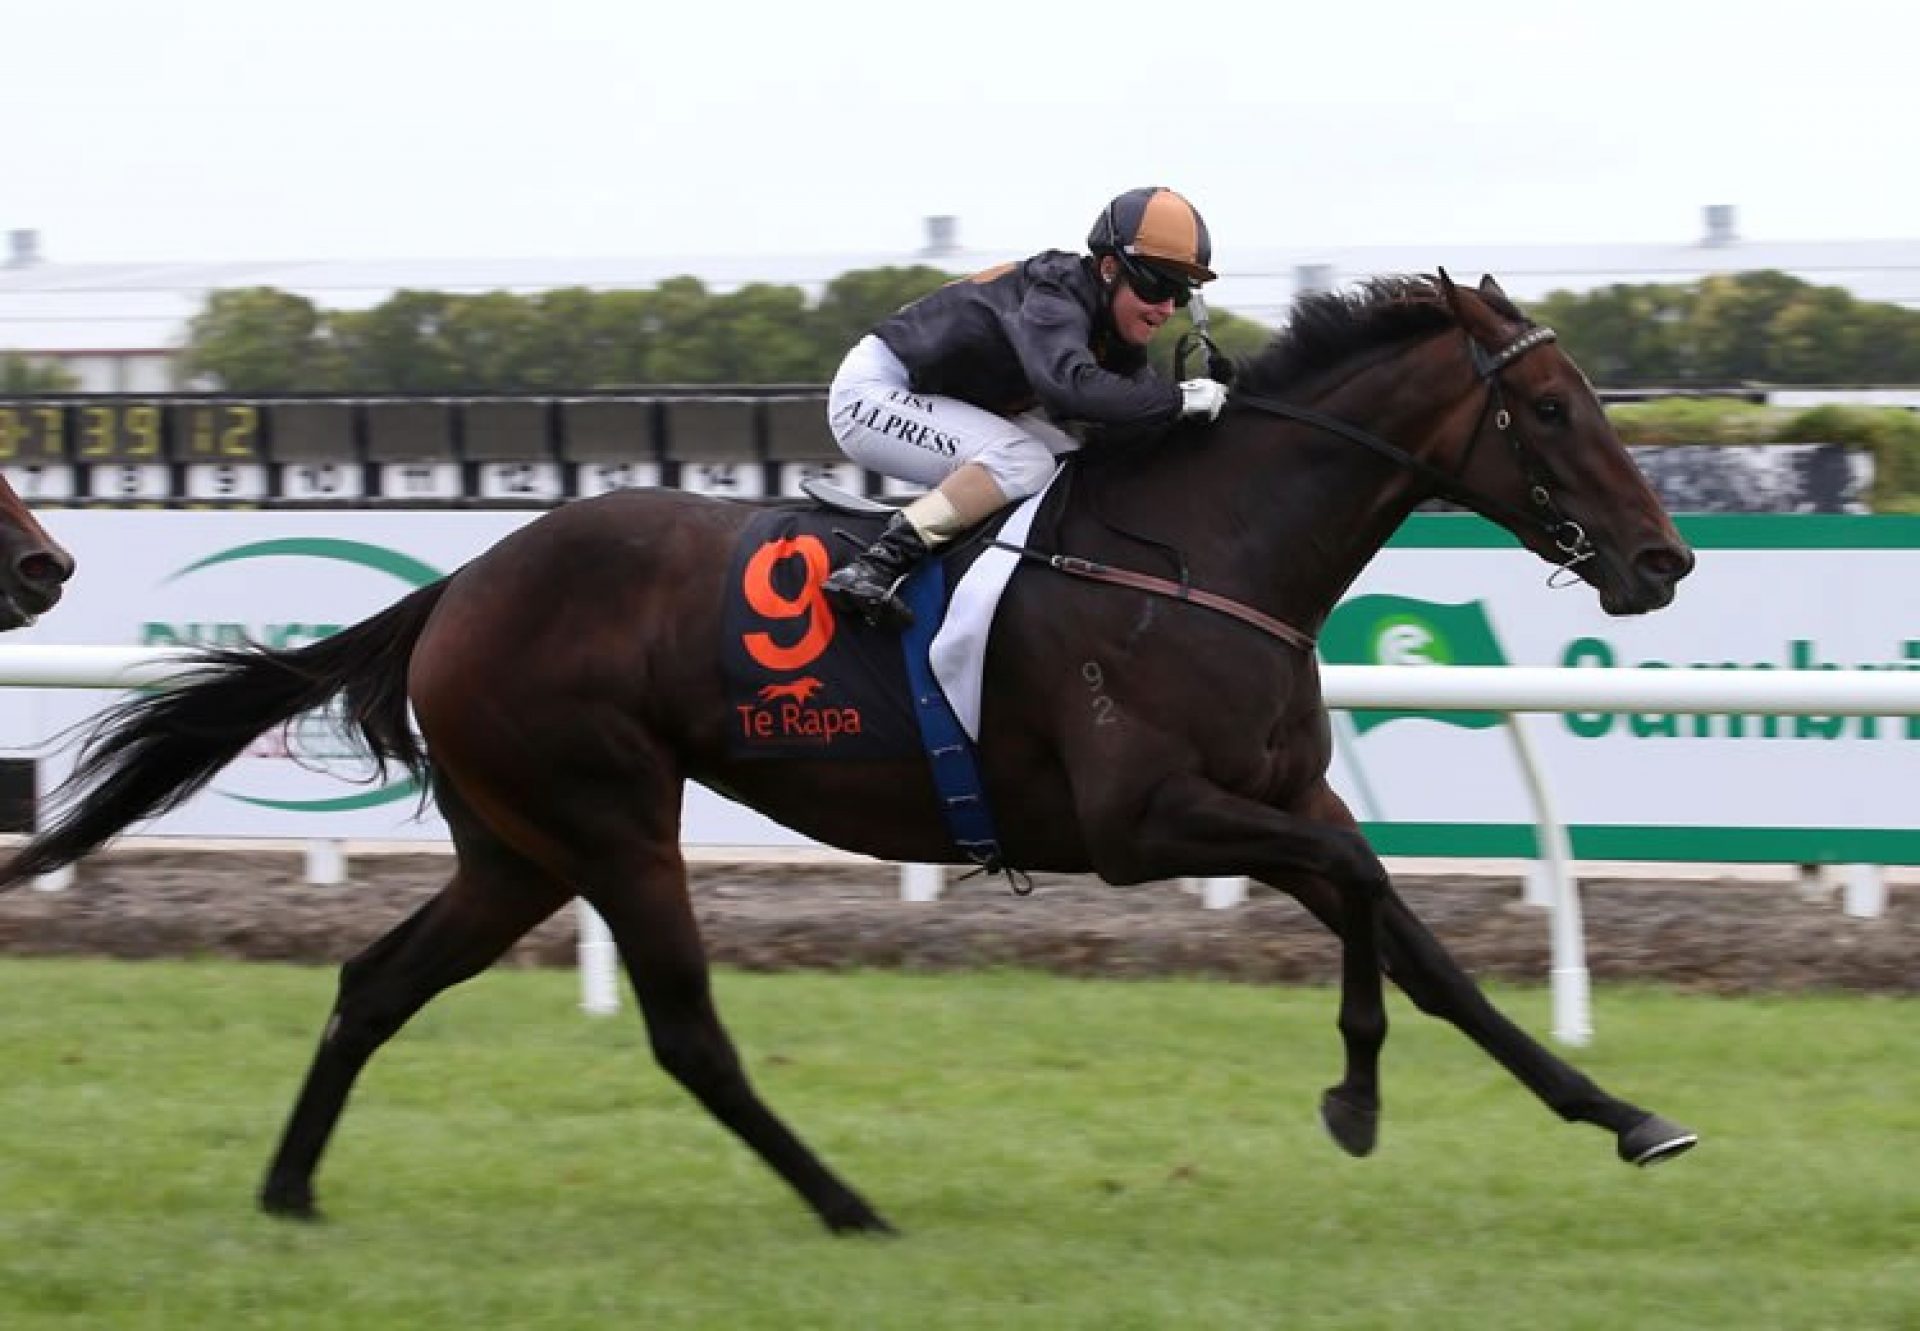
[966,390]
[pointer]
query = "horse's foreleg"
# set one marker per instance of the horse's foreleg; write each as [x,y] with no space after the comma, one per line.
[456,935]
[1192,828]
[647,910]
[1435,982]
[1430,976]
[1351,1110]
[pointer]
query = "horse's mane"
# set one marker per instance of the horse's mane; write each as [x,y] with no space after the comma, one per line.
[1327,328]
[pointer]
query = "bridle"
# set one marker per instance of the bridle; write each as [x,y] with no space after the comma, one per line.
[1543,515]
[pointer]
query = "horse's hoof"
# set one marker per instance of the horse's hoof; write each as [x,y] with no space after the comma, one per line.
[1654,1139]
[289,1203]
[857,1217]
[1353,1128]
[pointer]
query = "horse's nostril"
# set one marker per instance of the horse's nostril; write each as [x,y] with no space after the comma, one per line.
[45,568]
[1665,563]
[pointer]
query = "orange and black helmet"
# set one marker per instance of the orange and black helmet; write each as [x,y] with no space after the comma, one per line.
[1156,226]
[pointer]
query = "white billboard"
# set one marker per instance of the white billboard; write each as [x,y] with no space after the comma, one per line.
[1770,592]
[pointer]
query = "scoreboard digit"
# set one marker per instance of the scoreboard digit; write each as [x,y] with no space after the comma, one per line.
[129,432]
[220,451]
[33,450]
[225,432]
[32,432]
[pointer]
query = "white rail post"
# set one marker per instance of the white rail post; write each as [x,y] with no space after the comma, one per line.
[1222,893]
[1572,997]
[326,862]
[1537,884]
[60,879]
[1865,896]
[599,972]
[922,882]
[57,881]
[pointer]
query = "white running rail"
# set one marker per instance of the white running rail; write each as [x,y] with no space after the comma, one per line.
[1510,689]
[1425,688]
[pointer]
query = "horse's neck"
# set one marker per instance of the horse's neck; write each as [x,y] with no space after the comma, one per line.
[1291,514]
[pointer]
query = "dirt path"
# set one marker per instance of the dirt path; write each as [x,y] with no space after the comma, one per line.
[1721,936]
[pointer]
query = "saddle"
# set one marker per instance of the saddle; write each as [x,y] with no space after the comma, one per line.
[830,496]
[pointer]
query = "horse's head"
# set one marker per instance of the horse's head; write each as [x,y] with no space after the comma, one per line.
[1545,462]
[33,566]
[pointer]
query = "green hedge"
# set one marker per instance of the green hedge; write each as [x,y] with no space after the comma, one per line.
[1891,434]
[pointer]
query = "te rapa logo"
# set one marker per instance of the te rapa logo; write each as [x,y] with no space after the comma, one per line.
[309,744]
[1398,630]
[800,690]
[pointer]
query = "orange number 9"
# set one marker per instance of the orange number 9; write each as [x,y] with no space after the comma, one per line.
[757,583]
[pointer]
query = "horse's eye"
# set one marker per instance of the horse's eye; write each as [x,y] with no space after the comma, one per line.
[1550,410]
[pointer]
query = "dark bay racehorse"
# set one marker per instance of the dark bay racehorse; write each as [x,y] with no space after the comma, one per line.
[33,566]
[567,683]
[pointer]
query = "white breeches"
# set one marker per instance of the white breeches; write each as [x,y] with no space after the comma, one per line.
[887,427]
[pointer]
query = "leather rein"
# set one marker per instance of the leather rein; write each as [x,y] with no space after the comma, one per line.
[1544,514]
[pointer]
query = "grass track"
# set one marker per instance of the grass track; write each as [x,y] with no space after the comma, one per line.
[1059,1153]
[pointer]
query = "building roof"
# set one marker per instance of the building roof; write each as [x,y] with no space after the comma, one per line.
[81,308]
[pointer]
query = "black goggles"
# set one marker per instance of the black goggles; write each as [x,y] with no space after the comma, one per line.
[1154,284]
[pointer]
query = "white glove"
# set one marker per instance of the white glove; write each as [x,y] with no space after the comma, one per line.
[1202,397]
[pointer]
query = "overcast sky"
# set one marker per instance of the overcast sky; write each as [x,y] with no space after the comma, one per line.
[257,129]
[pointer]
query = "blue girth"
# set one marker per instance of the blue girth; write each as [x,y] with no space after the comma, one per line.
[956,776]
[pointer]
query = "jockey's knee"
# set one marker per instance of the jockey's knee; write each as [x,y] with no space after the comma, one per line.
[1019,472]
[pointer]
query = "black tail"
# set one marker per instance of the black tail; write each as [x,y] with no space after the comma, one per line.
[144,757]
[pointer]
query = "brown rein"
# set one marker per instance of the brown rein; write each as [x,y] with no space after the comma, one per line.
[1093,571]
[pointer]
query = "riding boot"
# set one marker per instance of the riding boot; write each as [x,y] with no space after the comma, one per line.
[869,585]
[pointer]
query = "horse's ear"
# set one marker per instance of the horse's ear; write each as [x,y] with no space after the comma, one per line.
[1450,293]
[1491,289]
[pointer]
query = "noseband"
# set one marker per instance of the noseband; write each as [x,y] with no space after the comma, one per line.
[1544,515]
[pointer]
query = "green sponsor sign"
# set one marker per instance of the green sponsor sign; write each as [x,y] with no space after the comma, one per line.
[1398,630]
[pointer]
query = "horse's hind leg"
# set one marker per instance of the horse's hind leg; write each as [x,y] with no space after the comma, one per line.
[493,898]
[647,909]
[586,791]
[1190,827]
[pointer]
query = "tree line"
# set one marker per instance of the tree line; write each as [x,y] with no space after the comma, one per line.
[1761,327]
[1758,327]
[262,340]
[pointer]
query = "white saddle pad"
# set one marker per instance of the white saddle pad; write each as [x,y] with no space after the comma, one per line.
[959,650]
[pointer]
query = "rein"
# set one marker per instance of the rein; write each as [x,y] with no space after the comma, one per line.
[1093,571]
[1567,535]
[1545,516]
